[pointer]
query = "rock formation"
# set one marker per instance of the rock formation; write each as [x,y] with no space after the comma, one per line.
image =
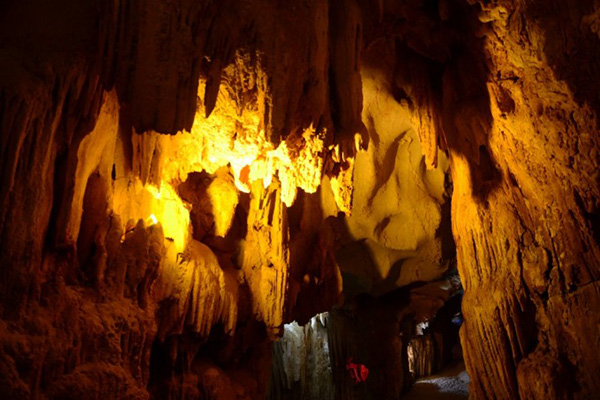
[179,180]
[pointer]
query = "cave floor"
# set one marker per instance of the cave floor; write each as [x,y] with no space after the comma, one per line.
[452,383]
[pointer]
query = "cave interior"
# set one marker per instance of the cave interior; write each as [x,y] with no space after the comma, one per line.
[301,199]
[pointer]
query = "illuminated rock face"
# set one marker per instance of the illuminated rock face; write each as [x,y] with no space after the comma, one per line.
[525,205]
[400,204]
[180,179]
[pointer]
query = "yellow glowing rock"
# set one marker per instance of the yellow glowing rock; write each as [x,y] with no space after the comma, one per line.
[224,199]
[342,186]
[138,201]
[266,256]
[152,220]
[201,293]
[95,153]
[397,196]
[229,138]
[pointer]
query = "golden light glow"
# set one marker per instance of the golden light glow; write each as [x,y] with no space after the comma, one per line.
[235,137]
[342,186]
[224,200]
[152,220]
[296,162]
[135,201]
[232,146]
[168,209]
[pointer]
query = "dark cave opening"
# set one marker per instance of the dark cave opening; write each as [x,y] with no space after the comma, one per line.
[370,346]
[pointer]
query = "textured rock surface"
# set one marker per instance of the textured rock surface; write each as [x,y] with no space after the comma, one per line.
[399,204]
[524,207]
[82,193]
[171,177]
[421,353]
[301,362]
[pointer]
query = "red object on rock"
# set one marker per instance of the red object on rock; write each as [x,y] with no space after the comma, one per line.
[358,372]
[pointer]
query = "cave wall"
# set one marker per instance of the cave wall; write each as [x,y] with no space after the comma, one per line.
[91,287]
[108,110]
[398,232]
[524,207]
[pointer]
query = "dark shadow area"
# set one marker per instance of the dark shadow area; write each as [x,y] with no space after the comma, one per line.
[195,191]
[467,117]
[391,280]
[313,273]
[93,227]
[443,73]
[449,384]
[444,231]
[593,217]
[571,46]
[177,361]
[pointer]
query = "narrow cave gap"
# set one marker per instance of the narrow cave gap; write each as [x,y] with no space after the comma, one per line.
[353,350]
[435,358]
[301,362]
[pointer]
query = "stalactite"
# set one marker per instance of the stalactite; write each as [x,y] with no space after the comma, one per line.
[266,256]
[421,356]
[302,366]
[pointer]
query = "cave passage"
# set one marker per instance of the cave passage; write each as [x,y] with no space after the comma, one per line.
[451,383]
[408,336]
[301,366]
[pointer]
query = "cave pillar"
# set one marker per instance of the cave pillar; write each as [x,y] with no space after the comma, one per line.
[266,255]
[525,206]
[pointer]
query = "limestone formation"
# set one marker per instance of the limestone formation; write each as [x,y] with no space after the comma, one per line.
[181,179]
